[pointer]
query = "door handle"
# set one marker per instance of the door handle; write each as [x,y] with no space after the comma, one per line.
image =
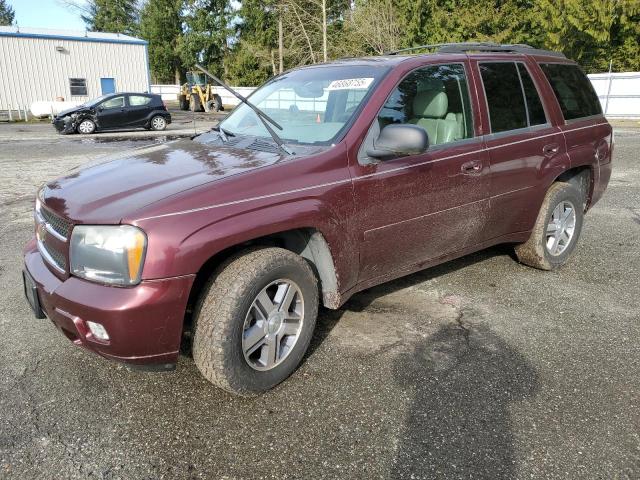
[550,149]
[471,168]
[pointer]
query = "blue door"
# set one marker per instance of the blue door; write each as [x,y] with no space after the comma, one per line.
[108,85]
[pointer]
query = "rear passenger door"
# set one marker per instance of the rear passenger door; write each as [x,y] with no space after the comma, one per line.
[521,141]
[416,208]
[139,110]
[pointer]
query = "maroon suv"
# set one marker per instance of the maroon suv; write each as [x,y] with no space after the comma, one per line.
[336,177]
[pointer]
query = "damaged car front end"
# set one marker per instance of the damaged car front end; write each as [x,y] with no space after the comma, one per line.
[67,122]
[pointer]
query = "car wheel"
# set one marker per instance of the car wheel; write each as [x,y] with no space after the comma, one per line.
[86,127]
[557,228]
[255,319]
[158,123]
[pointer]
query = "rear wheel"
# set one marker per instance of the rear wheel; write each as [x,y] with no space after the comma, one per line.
[158,123]
[557,228]
[255,320]
[86,127]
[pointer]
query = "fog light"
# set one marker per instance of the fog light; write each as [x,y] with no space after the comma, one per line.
[98,330]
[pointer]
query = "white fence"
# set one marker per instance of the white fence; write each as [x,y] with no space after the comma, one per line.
[619,93]
[170,92]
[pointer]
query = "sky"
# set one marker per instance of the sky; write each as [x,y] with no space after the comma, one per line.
[46,14]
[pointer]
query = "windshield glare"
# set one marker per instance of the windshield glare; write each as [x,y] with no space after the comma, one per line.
[313,105]
[95,101]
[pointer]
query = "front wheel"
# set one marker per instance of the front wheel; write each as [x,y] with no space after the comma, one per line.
[86,127]
[255,319]
[557,228]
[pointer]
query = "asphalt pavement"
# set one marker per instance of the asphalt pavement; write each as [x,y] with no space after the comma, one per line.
[478,368]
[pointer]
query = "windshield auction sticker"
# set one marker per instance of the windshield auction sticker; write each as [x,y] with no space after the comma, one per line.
[350,84]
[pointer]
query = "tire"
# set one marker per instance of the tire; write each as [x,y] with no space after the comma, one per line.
[228,311]
[194,104]
[184,103]
[158,123]
[548,247]
[86,127]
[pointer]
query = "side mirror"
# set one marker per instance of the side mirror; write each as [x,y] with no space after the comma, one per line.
[397,140]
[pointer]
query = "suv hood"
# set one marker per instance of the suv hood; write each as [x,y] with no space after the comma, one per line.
[109,191]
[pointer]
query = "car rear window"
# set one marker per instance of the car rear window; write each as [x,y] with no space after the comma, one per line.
[505,101]
[138,100]
[573,90]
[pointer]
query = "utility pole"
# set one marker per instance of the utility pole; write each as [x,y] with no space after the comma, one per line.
[280,44]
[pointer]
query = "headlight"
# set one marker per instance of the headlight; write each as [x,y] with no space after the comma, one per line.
[108,254]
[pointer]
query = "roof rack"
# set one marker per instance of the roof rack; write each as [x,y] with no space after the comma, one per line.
[481,47]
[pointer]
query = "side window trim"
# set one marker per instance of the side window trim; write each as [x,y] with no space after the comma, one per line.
[524,95]
[529,127]
[362,157]
[536,86]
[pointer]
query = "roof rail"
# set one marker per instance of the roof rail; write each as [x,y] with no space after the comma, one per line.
[482,47]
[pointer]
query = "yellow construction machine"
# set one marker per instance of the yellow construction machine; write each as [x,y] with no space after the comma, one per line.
[197,95]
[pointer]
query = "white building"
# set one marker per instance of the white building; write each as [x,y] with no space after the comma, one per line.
[45,65]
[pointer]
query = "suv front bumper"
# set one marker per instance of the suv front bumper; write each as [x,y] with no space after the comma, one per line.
[144,323]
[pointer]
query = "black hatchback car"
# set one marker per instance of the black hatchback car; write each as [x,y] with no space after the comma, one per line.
[115,111]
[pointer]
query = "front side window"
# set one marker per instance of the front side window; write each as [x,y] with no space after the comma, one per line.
[314,105]
[115,102]
[435,98]
[574,91]
[78,86]
[138,100]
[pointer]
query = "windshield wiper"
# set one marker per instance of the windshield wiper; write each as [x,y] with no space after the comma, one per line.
[224,134]
[264,118]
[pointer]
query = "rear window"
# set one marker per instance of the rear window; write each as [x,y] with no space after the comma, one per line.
[137,100]
[507,109]
[573,90]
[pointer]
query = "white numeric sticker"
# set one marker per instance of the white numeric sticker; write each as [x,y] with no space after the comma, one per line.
[350,84]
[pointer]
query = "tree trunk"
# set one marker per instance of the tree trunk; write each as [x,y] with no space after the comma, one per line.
[280,45]
[324,29]
[177,75]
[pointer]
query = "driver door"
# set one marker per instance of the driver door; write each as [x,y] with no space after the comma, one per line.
[112,113]
[416,208]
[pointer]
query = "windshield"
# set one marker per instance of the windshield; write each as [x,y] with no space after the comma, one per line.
[313,105]
[95,101]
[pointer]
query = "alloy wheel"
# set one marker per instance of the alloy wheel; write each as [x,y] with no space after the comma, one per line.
[273,324]
[86,126]
[561,228]
[158,123]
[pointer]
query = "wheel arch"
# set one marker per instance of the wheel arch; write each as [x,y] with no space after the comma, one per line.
[581,177]
[307,242]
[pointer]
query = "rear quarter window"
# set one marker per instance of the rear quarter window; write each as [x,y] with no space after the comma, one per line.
[574,91]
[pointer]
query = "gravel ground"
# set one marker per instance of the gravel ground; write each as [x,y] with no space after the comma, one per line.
[479,368]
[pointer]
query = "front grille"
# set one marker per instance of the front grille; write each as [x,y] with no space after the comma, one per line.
[59,224]
[58,258]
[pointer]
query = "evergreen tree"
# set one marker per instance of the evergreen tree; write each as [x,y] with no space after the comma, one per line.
[116,16]
[161,26]
[6,13]
[205,34]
